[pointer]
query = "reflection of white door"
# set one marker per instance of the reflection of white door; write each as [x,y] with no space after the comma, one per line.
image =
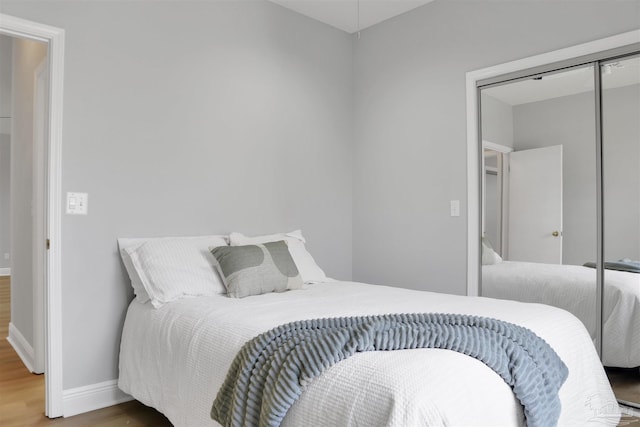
[535,205]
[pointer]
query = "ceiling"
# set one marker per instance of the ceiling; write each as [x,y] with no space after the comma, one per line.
[343,14]
[617,74]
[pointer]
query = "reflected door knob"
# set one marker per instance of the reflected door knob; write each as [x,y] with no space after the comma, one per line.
[555,233]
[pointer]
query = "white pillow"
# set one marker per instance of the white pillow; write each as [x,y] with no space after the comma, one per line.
[126,244]
[309,270]
[167,268]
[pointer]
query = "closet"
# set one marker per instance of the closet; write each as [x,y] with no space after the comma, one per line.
[560,200]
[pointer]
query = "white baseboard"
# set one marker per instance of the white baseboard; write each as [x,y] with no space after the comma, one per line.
[21,346]
[91,397]
[6,271]
[76,400]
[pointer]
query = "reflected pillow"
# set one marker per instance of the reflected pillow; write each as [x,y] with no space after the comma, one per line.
[489,256]
[256,269]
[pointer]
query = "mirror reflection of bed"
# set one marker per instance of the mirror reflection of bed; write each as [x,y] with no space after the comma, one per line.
[540,202]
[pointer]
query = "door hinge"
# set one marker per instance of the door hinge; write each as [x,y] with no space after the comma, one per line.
[48,244]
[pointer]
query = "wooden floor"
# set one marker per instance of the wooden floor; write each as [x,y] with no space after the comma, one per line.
[22,393]
[625,383]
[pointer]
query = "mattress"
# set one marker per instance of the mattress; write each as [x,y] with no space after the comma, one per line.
[573,288]
[175,359]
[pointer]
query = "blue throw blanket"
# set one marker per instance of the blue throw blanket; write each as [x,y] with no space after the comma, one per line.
[627,265]
[268,374]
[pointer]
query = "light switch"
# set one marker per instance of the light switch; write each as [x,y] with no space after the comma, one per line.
[77,203]
[455,207]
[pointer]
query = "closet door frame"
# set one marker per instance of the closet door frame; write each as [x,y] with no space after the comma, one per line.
[593,53]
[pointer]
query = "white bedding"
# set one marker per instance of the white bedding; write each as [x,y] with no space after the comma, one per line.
[176,357]
[573,288]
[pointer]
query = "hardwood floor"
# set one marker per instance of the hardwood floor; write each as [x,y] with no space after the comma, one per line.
[625,383]
[22,393]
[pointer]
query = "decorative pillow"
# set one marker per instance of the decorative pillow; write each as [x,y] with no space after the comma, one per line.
[167,268]
[309,270]
[256,269]
[489,256]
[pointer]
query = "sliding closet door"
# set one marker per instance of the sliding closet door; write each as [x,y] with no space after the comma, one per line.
[547,197]
[561,199]
[621,197]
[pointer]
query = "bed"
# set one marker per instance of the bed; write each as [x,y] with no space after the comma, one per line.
[573,288]
[175,356]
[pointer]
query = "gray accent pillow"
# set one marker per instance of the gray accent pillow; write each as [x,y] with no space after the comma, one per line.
[256,269]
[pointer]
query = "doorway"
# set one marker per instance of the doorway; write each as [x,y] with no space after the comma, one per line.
[27,87]
[48,79]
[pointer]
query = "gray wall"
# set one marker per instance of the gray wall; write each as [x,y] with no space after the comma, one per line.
[621,165]
[192,118]
[5,199]
[568,121]
[5,147]
[5,76]
[410,147]
[27,55]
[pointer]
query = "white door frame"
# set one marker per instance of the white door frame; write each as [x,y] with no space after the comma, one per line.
[54,37]
[39,223]
[473,143]
[503,164]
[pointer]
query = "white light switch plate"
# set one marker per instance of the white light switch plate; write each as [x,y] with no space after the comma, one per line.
[77,203]
[455,207]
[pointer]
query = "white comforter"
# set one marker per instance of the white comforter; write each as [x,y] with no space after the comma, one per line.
[573,288]
[176,357]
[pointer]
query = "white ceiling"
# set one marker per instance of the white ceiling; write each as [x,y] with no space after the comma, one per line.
[620,73]
[343,14]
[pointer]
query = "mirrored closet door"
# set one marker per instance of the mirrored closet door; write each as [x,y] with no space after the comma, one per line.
[561,201]
[621,211]
[541,133]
